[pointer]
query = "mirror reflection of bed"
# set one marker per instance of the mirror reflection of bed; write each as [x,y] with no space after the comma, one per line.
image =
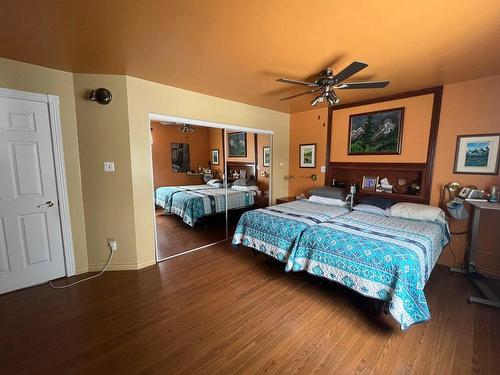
[193,189]
[185,168]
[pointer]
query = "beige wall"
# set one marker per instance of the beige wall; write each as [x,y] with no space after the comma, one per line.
[107,197]
[32,78]
[145,97]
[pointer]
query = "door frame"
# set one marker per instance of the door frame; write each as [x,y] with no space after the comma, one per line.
[152,116]
[52,102]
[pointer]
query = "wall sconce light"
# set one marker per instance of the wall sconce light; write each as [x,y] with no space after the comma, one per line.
[102,96]
[264,174]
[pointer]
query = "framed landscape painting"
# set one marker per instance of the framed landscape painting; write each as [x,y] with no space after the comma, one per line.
[307,156]
[215,156]
[237,144]
[477,154]
[266,157]
[376,133]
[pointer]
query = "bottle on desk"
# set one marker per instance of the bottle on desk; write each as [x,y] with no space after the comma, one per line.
[493,195]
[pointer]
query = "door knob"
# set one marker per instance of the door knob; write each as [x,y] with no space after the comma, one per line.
[46,204]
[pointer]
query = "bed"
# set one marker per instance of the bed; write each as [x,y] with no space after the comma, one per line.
[385,258]
[194,202]
[275,230]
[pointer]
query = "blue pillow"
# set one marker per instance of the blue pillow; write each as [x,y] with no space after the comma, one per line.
[379,202]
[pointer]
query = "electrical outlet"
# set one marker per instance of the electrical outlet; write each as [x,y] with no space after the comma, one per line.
[109,166]
[112,244]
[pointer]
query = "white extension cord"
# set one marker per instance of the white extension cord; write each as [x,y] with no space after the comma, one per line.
[87,278]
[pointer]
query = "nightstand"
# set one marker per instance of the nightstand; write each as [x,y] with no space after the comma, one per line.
[285,200]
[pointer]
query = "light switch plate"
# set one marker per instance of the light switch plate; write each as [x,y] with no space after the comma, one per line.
[109,166]
[323,169]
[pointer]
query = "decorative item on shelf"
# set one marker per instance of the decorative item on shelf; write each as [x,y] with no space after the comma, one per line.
[307,155]
[401,186]
[477,154]
[384,186]
[378,132]
[264,174]
[369,183]
[414,188]
[300,196]
[493,198]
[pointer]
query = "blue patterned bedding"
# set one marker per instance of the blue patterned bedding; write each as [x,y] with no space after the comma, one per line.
[192,204]
[163,194]
[386,258]
[276,230]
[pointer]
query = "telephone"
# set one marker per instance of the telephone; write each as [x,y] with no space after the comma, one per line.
[469,193]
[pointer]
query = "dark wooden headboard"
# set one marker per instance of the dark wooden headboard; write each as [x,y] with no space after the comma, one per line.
[249,167]
[352,173]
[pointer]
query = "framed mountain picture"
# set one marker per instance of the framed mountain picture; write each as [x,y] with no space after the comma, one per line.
[477,154]
[376,133]
[237,144]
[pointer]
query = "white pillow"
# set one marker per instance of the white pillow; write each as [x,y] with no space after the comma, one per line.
[417,211]
[371,209]
[215,183]
[246,188]
[327,201]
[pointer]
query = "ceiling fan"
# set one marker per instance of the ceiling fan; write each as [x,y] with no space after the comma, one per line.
[327,82]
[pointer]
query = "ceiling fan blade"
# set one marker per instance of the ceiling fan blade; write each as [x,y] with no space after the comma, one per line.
[302,93]
[294,81]
[363,85]
[348,71]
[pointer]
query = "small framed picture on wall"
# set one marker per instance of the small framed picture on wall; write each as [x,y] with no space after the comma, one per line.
[266,157]
[307,156]
[477,154]
[215,156]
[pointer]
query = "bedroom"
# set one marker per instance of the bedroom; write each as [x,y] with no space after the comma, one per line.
[221,309]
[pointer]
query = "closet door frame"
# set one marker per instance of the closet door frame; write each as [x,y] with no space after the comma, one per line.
[209,124]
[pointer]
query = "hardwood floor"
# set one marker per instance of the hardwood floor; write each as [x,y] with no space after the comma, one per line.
[227,311]
[174,236]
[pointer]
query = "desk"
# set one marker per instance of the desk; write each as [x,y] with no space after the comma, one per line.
[478,280]
[285,200]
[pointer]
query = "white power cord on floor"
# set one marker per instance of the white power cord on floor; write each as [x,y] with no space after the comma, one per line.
[87,278]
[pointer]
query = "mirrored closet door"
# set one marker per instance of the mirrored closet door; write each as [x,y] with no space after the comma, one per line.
[248,166]
[190,192]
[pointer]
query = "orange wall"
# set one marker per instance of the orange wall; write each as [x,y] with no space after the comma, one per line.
[215,142]
[163,135]
[470,107]
[307,127]
[263,140]
[416,127]
[250,149]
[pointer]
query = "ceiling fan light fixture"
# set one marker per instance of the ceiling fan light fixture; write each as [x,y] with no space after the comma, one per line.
[318,99]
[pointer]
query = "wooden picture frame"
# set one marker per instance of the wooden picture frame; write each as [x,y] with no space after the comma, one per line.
[367,132]
[369,183]
[266,156]
[215,156]
[477,154]
[307,155]
[237,144]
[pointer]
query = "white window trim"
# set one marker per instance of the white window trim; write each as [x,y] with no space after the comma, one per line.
[52,102]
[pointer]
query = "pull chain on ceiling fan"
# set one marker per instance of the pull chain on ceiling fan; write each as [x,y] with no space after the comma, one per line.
[327,83]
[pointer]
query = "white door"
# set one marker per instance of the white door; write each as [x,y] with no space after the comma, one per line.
[31,250]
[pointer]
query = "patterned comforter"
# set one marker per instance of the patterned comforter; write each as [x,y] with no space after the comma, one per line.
[276,230]
[192,203]
[386,258]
